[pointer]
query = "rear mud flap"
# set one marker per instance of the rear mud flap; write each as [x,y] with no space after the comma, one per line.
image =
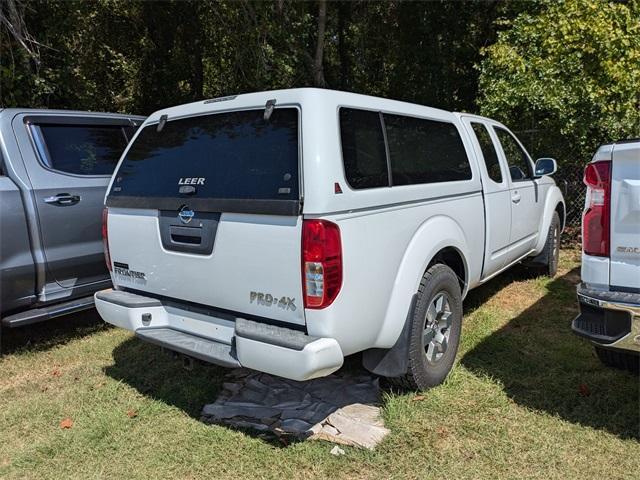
[391,362]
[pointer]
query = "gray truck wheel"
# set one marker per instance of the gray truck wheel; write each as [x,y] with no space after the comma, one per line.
[619,359]
[546,263]
[435,327]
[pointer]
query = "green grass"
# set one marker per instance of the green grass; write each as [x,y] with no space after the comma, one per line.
[511,407]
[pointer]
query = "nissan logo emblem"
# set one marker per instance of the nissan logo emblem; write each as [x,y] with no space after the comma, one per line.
[185,214]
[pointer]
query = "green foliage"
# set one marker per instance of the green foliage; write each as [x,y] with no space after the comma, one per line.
[572,71]
[568,70]
[138,56]
[85,62]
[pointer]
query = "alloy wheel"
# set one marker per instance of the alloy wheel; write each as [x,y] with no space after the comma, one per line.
[437,327]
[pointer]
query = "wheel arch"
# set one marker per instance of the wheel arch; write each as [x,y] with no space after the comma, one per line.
[440,239]
[390,356]
[452,258]
[554,202]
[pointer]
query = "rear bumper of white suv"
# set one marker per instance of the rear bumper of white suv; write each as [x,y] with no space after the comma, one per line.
[221,339]
[611,319]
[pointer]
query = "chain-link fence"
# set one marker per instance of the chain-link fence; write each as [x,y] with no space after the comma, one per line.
[569,179]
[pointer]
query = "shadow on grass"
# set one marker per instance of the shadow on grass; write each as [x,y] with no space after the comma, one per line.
[160,375]
[51,333]
[544,367]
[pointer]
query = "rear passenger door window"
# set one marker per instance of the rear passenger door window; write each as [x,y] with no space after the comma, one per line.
[79,149]
[488,151]
[363,149]
[425,151]
[517,159]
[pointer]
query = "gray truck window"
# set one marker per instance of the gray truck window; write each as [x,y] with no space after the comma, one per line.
[363,149]
[425,151]
[517,158]
[233,155]
[488,151]
[78,149]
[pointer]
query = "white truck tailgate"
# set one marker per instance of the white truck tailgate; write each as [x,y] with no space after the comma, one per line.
[625,216]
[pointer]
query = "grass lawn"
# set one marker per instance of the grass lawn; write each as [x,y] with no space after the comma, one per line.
[527,399]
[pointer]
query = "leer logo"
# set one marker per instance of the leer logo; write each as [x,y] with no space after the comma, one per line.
[191,181]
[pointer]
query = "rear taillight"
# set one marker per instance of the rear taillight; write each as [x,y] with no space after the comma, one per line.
[105,237]
[596,217]
[321,263]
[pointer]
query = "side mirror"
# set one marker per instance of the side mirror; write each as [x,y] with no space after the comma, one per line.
[545,166]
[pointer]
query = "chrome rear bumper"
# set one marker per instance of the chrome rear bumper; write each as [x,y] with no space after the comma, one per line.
[609,318]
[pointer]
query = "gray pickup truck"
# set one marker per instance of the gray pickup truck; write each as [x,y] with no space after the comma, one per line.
[54,171]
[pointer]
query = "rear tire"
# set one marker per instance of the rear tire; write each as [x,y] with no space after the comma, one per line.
[435,327]
[619,359]
[546,263]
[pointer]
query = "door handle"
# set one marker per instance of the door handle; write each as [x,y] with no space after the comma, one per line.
[62,199]
[515,198]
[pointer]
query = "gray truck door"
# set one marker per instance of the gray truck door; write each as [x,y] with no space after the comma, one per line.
[70,161]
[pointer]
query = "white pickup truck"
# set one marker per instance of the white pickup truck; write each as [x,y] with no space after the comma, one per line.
[281,231]
[609,295]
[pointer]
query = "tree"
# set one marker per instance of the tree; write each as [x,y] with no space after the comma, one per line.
[138,56]
[19,51]
[318,59]
[12,23]
[571,71]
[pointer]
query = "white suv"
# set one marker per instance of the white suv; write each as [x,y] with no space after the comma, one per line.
[284,230]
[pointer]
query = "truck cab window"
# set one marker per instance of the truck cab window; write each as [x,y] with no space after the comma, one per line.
[425,151]
[363,149]
[488,151]
[79,149]
[517,159]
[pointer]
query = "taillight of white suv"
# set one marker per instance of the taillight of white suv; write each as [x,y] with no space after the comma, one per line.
[321,262]
[596,217]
